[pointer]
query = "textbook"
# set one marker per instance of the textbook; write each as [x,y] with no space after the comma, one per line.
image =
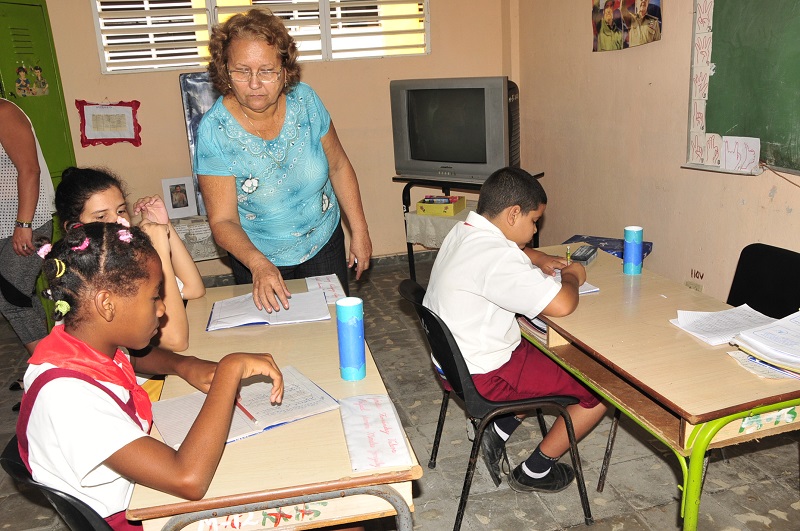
[716,328]
[301,398]
[241,310]
[777,343]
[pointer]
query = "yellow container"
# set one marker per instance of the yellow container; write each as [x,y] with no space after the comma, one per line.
[442,209]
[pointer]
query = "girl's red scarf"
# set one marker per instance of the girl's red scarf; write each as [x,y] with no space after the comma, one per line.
[67,352]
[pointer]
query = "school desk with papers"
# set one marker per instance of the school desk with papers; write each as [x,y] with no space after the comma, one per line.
[241,310]
[301,398]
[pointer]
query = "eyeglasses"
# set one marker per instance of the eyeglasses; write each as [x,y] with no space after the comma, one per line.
[264,76]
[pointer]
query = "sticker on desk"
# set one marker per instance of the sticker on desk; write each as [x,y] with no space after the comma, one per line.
[265,519]
[765,420]
[375,438]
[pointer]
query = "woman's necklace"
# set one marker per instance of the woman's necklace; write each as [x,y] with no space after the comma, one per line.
[267,147]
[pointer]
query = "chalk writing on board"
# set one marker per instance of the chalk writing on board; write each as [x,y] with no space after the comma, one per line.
[705,16]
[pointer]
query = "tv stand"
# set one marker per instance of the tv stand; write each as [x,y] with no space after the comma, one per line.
[446,184]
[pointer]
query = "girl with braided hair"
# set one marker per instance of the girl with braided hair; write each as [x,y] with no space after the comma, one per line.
[84,422]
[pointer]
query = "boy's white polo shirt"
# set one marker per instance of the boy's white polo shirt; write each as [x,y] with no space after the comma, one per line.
[479,282]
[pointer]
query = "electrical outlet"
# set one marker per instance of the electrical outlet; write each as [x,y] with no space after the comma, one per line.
[691,284]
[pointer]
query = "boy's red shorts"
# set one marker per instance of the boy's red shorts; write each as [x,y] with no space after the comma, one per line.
[531,374]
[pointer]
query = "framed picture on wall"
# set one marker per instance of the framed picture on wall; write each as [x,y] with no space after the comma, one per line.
[179,197]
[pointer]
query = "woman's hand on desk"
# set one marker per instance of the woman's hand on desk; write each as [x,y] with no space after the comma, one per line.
[269,288]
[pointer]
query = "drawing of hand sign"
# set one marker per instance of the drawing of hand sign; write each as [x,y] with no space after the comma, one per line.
[697,149]
[704,15]
[703,49]
[712,148]
[749,157]
[701,84]
[699,117]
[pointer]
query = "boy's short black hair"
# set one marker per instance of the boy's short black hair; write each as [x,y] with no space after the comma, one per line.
[508,187]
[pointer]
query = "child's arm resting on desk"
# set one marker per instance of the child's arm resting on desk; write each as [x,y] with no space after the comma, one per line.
[195,371]
[187,472]
[547,263]
[565,302]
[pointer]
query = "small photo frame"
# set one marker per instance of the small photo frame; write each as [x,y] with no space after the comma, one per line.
[179,197]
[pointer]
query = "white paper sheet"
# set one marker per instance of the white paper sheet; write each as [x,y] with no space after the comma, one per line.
[716,328]
[375,438]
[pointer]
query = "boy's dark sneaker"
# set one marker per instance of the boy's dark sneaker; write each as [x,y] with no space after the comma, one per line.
[559,478]
[493,451]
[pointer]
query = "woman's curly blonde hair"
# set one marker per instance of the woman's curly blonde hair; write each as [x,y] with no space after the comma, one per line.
[256,24]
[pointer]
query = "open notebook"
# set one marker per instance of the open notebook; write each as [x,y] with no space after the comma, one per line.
[301,398]
[241,310]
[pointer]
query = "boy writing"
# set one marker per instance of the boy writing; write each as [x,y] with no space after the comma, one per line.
[483,276]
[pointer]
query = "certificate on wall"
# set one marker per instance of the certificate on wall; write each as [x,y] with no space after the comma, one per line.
[109,123]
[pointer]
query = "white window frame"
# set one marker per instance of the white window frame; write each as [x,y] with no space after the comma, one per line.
[149,35]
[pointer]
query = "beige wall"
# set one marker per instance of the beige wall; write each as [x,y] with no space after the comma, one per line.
[356,93]
[608,130]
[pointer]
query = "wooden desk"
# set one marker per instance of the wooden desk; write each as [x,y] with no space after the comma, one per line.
[688,394]
[289,465]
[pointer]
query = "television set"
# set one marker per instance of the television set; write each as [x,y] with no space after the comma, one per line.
[454,129]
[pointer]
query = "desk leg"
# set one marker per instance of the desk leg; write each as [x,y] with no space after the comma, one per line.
[409,246]
[403,517]
[700,438]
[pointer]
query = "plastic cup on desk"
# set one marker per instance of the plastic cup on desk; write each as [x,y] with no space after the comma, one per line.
[350,329]
[632,251]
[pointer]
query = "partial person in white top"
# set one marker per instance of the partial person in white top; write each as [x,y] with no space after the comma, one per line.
[488,281]
[485,274]
[75,464]
[26,213]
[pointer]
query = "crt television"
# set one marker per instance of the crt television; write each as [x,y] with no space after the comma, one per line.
[454,129]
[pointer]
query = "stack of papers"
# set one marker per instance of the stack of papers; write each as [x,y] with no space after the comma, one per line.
[301,398]
[777,343]
[717,328]
[241,310]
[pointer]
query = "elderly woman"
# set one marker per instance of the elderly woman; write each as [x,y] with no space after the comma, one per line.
[271,169]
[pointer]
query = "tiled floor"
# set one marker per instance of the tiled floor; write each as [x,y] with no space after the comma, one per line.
[757,487]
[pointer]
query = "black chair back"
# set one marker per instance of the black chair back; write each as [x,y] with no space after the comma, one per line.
[76,514]
[767,280]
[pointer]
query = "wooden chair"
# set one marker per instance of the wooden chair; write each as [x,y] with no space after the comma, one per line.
[76,514]
[480,410]
[765,279]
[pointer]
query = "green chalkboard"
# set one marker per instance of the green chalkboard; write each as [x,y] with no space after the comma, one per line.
[755,89]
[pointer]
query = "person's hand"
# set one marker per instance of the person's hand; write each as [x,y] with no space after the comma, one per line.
[269,289]
[551,264]
[152,209]
[548,264]
[22,241]
[197,372]
[255,364]
[574,269]
[360,252]
[159,236]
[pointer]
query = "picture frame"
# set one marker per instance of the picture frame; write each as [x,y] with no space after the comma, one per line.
[109,123]
[179,197]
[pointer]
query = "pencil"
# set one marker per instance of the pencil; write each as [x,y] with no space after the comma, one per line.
[247,413]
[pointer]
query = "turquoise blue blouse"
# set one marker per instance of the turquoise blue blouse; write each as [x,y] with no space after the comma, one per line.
[286,202]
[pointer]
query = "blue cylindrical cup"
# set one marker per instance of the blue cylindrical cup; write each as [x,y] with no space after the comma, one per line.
[632,252]
[350,328]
